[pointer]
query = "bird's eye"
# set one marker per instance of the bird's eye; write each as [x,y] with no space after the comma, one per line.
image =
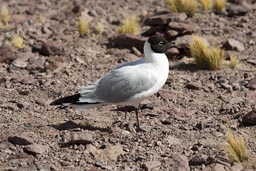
[161,43]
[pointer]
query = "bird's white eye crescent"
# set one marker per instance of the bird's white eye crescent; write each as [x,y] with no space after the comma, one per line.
[161,43]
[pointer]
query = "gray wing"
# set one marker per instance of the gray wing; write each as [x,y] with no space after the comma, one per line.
[122,83]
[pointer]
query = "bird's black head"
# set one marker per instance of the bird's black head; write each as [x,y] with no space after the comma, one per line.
[159,44]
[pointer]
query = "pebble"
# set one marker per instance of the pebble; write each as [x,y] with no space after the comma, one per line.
[232,44]
[150,165]
[35,148]
[249,118]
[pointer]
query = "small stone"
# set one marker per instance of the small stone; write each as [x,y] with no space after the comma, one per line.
[128,41]
[164,19]
[252,84]
[198,160]
[7,54]
[233,44]
[35,148]
[172,53]
[249,118]
[171,34]
[84,137]
[215,167]
[150,165]
[153,30]
[178,163]
[52,48]
[20,63]
[194,86]
[236,86]
[167,121]
[233,10]
[183,28]
[173,140]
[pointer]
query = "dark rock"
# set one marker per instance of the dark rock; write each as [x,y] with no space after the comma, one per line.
[153,30]
[171,34]
[164,19]
[52,48]
[183,28]
[194,86]
[233,44]
[35,148]
[128,41]
[178,163]
[237,10]
[20,140]
[172,53]
[7,54]
[150,165]
[198,160]
[249,118]
[167,121]
[252,84]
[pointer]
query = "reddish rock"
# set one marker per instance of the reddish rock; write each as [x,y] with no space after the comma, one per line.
[7,54]
[249,118]
[164,19]
[128,41]
[52,48]
[35,148]
[252,84]
[172,53]
[183,28]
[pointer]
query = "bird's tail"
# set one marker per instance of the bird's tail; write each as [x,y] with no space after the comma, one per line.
[74,102]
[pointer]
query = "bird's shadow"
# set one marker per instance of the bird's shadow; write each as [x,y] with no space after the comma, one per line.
[69,125]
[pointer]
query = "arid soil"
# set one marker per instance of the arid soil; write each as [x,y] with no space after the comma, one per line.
[184,125]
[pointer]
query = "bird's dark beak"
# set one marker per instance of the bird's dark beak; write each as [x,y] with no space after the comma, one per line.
[169,46]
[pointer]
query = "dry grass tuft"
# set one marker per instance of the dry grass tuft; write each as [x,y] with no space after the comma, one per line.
[219,5]
[206,4]
[236,147]
[233,61]
[17,41]
[83,26]
[206,57]
[187,6]
[130,26]
[100,28]
[4,15]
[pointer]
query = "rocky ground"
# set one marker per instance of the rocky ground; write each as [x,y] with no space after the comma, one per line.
[185,124]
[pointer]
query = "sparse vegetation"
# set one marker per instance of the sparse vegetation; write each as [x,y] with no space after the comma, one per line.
[83,26]
[100,28]
[130,26]
[236,147]
[219,5]
[17,41]
[206,57]
[4,15]
[187,6]
[1,26]
[233,61]
[42,18]
[206,4]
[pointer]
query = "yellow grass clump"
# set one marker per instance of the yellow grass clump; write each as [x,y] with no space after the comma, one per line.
[1,25]
[187,6]
[219,5]
[130,26]
[4,15]
[236,147]
[206,57]
[206,4]
[17,41]
[100,28]
[83,26]
[233,61]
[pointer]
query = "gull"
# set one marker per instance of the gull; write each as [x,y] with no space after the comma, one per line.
[128,84]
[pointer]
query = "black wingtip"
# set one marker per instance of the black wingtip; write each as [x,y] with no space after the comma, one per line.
[68,99]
